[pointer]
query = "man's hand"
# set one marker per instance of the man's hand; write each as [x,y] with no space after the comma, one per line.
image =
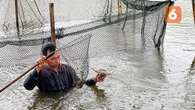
[41,64]
[100,77]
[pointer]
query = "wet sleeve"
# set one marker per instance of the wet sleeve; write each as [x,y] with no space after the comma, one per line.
[90,82]
[31,80]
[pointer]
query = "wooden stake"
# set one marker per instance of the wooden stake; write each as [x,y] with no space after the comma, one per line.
[17,20]
[52,23]
[119,8]
[193,9]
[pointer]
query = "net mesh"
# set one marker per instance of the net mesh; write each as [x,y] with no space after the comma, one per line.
[73,50]
[29,17]
[143,19]
[76,55]
[89,15]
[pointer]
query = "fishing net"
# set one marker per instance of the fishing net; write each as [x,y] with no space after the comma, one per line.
[146,17]
[151,26]
[142,19]
[29,17]
[74,52]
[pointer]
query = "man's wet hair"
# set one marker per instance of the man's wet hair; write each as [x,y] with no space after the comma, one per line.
[48,47]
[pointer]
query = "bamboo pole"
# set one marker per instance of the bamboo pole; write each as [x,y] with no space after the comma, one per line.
[53,39]
[27,71]
[12,82]
[52,23]
[17,18]
[193,63]
[193,9]
[119,8]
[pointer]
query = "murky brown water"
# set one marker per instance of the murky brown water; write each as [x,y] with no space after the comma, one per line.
[142,79]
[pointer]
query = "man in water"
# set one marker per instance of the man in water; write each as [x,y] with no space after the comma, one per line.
[52,76]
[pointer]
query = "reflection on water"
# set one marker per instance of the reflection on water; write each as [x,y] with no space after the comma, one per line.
[50,101]
[61,100]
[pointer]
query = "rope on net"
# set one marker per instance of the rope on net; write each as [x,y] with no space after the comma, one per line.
[144,12]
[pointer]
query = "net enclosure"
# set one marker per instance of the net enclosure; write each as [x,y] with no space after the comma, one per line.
[20,44]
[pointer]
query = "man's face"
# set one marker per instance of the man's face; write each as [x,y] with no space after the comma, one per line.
[54,60]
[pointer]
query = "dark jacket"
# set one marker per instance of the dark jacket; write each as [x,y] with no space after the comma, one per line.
[49,80]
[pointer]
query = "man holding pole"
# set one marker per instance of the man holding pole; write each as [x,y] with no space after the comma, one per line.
[52,76]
